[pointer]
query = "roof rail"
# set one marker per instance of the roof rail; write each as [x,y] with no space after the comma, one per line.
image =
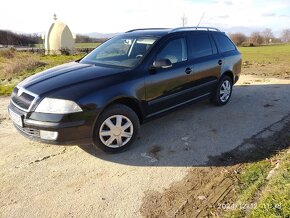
[194,28]
[133,30]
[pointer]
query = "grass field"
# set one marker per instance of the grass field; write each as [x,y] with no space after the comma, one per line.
[267,61]
[274,54]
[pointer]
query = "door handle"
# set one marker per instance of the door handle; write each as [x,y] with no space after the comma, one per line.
[188,70]
[220,62]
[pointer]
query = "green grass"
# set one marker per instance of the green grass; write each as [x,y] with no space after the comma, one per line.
[38,45]
[256,196]
[6,89]
[251,179]
[87,45]
[275,201]
[50,61]
[274,54]
[53,60]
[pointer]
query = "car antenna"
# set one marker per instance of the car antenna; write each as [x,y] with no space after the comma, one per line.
[200,19]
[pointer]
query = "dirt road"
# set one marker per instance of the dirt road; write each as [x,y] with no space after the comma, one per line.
[39,180]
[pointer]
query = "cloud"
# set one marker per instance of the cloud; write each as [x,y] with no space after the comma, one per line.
[269,14]
[223,16]
[284,15]
[228,3]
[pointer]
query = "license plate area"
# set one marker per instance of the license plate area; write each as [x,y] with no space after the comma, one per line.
[16,118]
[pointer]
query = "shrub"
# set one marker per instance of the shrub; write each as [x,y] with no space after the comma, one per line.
[247,44]
[64,51]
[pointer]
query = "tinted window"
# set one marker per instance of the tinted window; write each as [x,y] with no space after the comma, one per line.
[200,45]
[174,50]
[224,43]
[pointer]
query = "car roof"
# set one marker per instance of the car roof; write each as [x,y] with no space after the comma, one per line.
[159,32]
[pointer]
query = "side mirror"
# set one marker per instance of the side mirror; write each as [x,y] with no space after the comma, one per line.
[162,63]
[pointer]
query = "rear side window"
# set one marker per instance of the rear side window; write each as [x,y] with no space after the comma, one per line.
[224,43]
[175,51]
[200,45]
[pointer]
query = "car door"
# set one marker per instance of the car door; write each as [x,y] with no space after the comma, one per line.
[168,87]
[204,61]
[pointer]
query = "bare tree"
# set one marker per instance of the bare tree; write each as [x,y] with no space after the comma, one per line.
[83,39]
[11,38]
[183,20]
[268,36]
[285,37]
[238,38]
[256,38]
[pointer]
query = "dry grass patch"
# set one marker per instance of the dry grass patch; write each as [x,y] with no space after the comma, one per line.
[21,66]
[16,66]
[7,53]
[13,64]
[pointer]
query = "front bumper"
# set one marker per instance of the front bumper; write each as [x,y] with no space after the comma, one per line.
[71,128]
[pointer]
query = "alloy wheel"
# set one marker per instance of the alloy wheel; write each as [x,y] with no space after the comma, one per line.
[225,91]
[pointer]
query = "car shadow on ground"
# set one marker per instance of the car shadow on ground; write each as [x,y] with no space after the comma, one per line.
[253,126]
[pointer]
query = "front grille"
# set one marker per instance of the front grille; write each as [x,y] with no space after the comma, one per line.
[29,131]
[23,101]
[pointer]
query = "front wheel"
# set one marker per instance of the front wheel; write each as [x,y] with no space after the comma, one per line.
[223,93]
[116,128]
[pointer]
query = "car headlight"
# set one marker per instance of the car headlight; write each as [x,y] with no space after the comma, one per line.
[57,106]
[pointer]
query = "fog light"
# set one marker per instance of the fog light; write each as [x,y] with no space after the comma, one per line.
[48,135]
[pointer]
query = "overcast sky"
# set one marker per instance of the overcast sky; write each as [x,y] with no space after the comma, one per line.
[109,16]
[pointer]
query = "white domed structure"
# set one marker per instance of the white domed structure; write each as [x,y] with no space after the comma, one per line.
[59,39]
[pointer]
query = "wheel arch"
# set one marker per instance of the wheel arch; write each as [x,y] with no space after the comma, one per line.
[230,74]
[129,102]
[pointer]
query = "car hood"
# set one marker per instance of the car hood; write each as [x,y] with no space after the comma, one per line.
[64,76]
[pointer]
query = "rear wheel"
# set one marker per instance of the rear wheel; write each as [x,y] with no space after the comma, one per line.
[223,93]
[116,128]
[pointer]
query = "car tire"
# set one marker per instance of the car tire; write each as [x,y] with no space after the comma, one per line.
[116,129]
[223,92]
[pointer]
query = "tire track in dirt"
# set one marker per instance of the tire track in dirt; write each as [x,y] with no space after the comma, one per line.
[199,193]
[49,156]
[201,188]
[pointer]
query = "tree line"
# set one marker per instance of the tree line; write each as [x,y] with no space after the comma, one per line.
[86,39]
[260,38]
[255,39]
[11,38]
[16,39]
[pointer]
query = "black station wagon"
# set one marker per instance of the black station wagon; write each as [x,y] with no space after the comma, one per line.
[103,98]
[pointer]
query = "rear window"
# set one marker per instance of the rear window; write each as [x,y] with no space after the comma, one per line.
[224,43]
[200,45]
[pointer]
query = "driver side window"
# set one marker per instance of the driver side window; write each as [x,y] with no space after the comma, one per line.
[175,51]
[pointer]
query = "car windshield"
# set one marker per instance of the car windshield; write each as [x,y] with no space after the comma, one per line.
[120,51]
